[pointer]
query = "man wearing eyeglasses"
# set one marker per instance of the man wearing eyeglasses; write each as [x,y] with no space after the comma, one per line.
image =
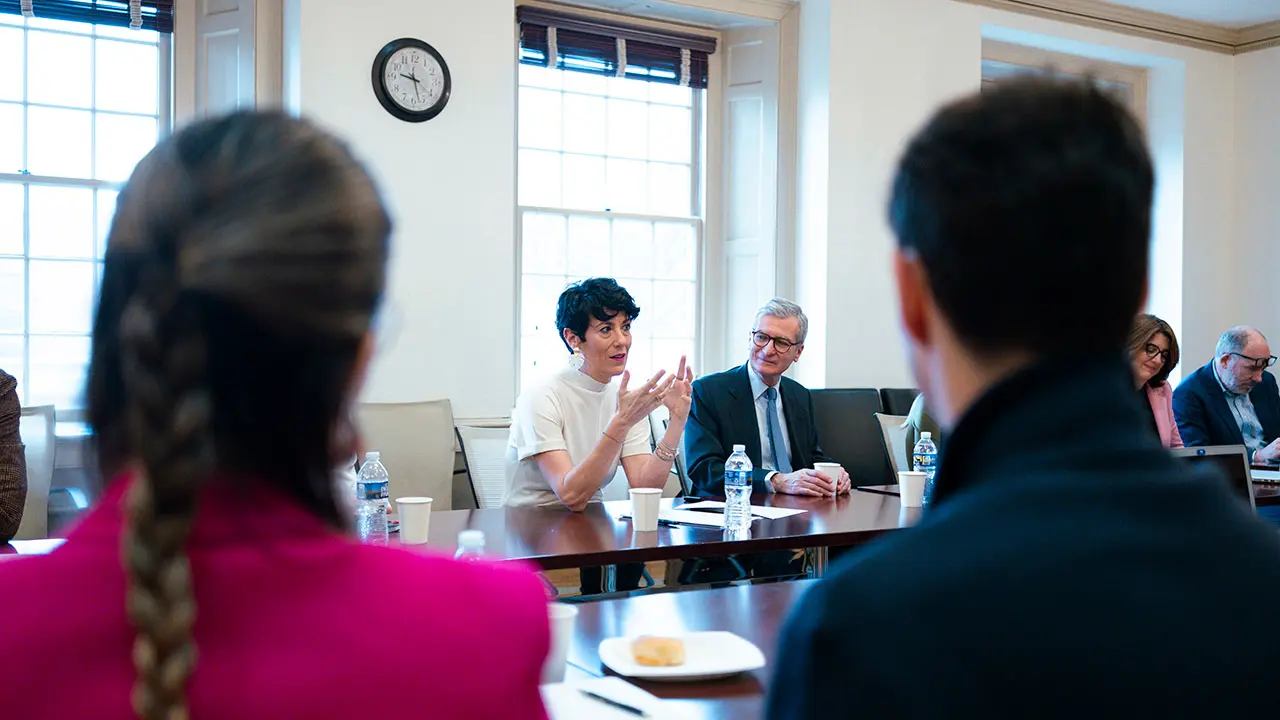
[755,406]
[1233,400]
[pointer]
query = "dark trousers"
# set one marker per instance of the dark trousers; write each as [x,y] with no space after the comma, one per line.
[758,565]
[628,578]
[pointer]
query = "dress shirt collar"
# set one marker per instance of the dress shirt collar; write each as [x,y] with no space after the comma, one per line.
[758,386]
[1221,384]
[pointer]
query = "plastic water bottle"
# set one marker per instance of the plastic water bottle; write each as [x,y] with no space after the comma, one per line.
[924,458]
[470,545]
[737,490]
[372,504]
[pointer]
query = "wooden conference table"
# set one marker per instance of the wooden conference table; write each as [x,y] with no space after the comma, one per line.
[554,538]
[754,612]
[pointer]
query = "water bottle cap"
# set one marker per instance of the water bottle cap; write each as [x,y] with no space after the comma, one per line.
[926,435]
[471,538]
[372,456]
[740,448]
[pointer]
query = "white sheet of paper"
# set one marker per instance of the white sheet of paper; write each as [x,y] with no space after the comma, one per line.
[565,701]
[764,511]
[689,517]
[1269,476]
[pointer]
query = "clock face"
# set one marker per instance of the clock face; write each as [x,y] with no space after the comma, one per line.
[413,79]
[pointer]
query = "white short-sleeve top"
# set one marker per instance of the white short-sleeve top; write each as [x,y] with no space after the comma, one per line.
[568,411]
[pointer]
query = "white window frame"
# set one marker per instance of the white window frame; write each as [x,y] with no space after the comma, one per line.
[701,135]
[1006,57]
[164,119]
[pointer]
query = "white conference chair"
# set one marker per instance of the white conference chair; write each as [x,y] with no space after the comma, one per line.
[484,454]
[416,444]
[894,430]
[37,426]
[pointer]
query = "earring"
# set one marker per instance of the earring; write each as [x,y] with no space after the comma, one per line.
[576,359]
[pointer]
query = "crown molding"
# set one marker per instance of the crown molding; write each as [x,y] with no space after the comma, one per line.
[1259,37]
[1145,24]
[773,10]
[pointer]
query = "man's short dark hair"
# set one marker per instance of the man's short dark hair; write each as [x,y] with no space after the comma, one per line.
[1029,206]
[599,298]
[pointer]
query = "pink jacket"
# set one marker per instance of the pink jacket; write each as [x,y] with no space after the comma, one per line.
[1161,399]
[294,620]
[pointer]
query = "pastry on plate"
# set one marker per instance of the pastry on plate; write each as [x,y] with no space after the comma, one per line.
[655,651]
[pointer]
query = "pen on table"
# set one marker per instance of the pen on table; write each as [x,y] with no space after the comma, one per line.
[614,703]
[670,523]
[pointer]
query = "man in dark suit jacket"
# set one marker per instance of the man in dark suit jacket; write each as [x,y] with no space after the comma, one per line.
[755,406]
[1233,400]
[1068,566]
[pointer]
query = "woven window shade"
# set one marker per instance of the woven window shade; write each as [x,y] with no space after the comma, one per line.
[156,14]
[590,45]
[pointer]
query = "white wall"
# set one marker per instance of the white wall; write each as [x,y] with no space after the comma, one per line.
[813,175]
[450,183]
[893,62]
[1257,184]
[890,63]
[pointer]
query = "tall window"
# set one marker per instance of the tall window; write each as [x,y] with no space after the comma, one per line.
[80,104]
[608,186]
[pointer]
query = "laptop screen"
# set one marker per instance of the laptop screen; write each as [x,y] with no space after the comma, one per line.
[1232,462]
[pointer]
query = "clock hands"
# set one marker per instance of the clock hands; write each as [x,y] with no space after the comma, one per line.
[416,82]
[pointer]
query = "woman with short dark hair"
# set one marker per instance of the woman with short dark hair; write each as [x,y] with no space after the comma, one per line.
[570,432]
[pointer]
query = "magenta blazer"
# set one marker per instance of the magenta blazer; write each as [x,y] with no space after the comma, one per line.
[293,620]
[1161,399]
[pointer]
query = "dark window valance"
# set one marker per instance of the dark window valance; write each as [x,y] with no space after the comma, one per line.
[587,44]
[156,14]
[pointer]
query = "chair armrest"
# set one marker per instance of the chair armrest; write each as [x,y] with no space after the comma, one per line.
[78,498]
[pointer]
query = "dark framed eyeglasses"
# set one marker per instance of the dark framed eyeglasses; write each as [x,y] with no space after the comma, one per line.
[781,344]
[1258,363]
[1153,350]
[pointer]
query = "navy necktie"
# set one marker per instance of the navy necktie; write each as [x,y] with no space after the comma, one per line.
[777,445]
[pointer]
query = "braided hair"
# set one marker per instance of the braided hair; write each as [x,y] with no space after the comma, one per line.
[243,267]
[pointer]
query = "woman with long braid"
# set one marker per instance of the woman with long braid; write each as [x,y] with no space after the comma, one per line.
[216,578]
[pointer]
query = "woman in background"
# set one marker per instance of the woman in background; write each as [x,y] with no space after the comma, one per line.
[216,578]
[1153,352]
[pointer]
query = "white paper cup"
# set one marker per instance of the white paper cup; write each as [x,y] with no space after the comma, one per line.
[415,519]
[911,488]
[644,508]
[562,621]
[832,471]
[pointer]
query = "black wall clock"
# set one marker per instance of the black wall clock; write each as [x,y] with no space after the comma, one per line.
[411,80]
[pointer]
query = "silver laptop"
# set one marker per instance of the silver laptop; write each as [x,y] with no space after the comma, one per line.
[1232,462]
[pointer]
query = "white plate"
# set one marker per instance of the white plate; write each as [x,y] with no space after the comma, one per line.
[707,655]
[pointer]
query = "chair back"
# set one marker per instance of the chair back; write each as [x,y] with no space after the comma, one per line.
[849,434]
[894,430]
[484,454]
[37,426]
[416,443]
[679,483]
[897,401]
